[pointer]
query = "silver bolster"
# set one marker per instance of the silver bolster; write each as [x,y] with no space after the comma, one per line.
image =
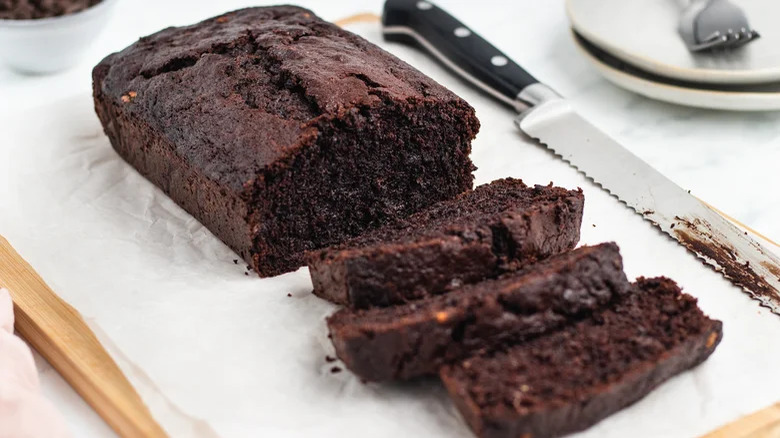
[534,95]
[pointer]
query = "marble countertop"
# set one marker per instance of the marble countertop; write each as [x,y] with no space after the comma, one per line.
[728,159]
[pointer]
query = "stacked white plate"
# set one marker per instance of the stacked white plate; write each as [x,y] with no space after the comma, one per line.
[635,44]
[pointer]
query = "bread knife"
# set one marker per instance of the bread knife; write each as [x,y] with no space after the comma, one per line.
[546,116]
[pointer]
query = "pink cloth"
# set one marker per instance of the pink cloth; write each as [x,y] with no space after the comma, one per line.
[24,412]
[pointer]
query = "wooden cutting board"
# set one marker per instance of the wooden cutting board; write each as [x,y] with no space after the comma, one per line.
[762,424]
[60,335]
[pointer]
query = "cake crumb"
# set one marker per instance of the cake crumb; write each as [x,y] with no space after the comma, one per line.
[127,98]
[711,340]
[330,359]
[289,295]
[246,273]
[235,261]
[594,225]
[335,370]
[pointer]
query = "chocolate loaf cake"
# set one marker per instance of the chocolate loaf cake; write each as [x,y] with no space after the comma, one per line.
[281,132]
[480,234]
[572,378]
[412,340]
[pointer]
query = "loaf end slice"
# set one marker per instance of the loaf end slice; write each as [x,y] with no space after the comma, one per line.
[283,133]
[497,227]
[572,378]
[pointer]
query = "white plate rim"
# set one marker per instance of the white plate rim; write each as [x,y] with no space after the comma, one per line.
[709,99]
[711,76]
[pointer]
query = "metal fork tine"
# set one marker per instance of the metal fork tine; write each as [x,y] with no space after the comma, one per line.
[741,37]
[744,36]
[731,40]
[724,24]
[715,41]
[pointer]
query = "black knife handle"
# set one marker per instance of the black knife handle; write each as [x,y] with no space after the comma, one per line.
[467,54]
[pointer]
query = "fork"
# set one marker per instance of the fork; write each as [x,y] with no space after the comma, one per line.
[714,24]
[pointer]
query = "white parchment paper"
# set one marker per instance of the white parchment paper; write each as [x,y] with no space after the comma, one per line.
[215,352]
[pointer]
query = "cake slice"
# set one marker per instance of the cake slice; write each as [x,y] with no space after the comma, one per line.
[480,234]
[415,339]
[572,378]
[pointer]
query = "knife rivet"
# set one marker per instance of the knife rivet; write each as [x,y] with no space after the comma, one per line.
[424,6]
[462,32]
[499,61]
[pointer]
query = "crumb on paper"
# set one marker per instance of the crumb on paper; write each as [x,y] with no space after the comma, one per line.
[289,295]
[235,261]
[335,370]
[330,359]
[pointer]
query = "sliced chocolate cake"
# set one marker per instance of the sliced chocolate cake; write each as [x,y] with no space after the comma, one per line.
[283,133]
[415,339]
[480,234]
[571,378]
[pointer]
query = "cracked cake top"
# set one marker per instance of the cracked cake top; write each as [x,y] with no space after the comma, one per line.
[282,68]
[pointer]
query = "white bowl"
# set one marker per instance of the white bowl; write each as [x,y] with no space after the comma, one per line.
[48,45]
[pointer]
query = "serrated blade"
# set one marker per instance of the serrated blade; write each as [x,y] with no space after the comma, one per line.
[676,212]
